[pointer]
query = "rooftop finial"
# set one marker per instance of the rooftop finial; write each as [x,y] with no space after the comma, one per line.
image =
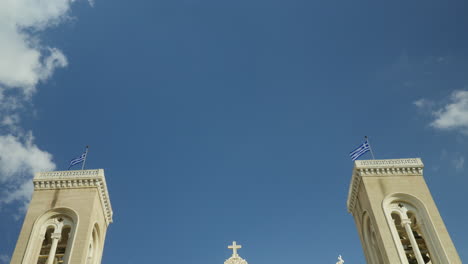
[340,260]
[235,258]
[234,248]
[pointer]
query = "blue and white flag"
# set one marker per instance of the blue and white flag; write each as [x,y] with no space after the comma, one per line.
[359,151]
[77,160]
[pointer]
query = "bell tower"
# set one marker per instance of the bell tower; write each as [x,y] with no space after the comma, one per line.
[395,215]
[67,219]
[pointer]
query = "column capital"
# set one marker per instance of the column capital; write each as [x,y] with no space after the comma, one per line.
[405,221]
[56,235]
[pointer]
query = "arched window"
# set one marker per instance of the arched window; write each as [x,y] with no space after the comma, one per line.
[51,238]
[413,231]
[55,240]
[63,243]
[418,235]
[370,240]
[46,245]
[94,248]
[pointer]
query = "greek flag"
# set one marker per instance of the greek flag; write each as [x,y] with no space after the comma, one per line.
[359,151]
[77,160]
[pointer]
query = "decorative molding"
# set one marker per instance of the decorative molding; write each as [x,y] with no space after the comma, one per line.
[352,192]
[69,173]
[388,163]
[390,171]
[381,168]
[56,235]
[405,221]
[235,260]
[75,180]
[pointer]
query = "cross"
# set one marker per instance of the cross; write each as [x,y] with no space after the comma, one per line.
[234,248]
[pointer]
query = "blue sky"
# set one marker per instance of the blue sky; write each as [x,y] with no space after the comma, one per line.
[232,120]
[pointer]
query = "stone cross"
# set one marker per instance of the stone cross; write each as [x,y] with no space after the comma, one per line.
[234,248]
[341,261]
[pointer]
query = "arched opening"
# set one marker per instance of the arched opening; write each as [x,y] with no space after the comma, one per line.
[63,244]
[51,239]
[422,245]
[46,245]
[94,247]
[410,227]
[55,240]
[372,248]
[413,230]
[404,239]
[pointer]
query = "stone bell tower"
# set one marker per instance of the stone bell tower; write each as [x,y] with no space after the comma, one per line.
[396,217]
[67,219]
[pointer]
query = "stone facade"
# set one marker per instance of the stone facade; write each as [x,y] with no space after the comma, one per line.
[67,219]
[395,215]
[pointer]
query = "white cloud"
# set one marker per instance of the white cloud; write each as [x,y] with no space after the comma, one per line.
[11,120]
[459,163]
[454,115]
[19,159]
[422,103]
[19,155]
[25,62]
[4,259]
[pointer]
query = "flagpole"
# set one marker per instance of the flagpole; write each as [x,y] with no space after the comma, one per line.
[371,152]
[86,155]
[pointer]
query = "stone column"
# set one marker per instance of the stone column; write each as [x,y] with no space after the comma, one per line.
[407,225]
[55,239]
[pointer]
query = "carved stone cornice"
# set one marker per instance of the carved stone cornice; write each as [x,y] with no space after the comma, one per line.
[381,168]
[405,221]
[69,173]
[235,260]
[389,163]
[75,180]
[56,236]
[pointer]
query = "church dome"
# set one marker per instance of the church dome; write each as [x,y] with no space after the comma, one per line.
[235,260]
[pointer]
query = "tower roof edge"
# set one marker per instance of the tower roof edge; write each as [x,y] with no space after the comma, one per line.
[381,168]
[76,179]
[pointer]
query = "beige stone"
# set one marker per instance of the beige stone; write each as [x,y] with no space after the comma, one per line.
[77,199]
[235,258]
[395,215]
